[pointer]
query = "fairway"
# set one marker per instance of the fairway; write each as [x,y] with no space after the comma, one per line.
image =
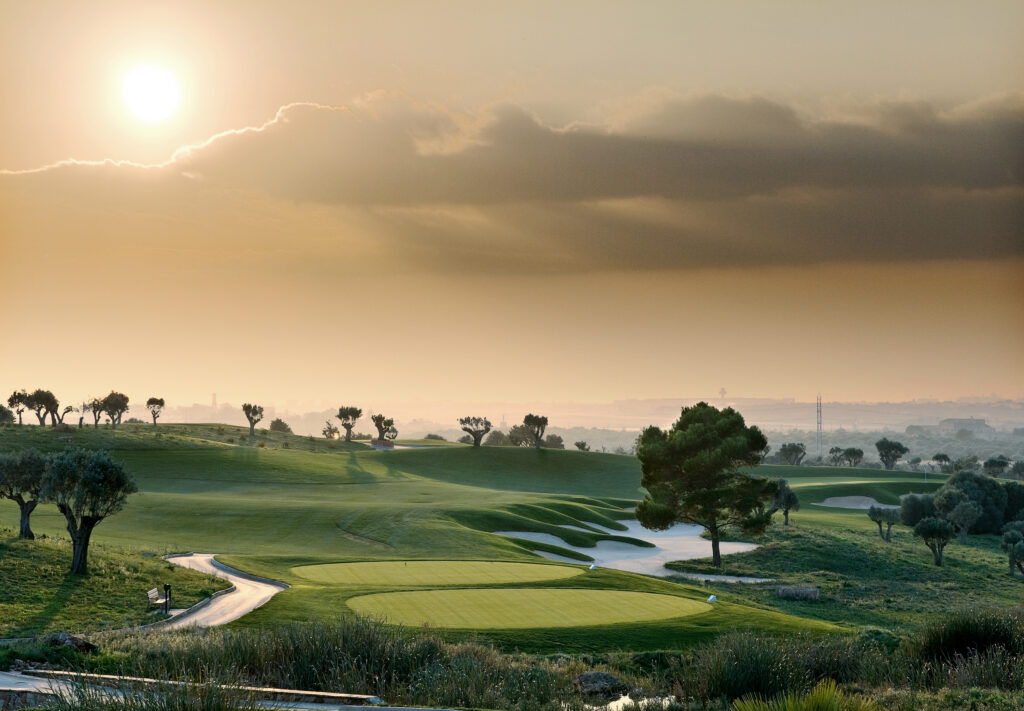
[516,609]
[433,572]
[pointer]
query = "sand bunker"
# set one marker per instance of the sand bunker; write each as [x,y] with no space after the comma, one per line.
[853,502]
[681,542]
[433,572]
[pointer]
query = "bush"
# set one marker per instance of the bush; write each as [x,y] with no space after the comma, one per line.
[826,696]
[982,490]
[435,436]
[279,425]
[968,632]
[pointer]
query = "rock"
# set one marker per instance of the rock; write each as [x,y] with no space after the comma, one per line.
[69,640]
[600,684]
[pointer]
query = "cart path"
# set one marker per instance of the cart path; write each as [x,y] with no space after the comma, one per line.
[250,592]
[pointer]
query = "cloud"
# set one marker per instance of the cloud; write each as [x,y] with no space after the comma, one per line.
[676,181]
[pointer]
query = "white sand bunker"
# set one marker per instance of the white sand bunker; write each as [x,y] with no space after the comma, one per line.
[681,542]
[853,502]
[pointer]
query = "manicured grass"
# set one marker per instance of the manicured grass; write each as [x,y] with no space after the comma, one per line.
[38,595]
[433,572]
[481,609]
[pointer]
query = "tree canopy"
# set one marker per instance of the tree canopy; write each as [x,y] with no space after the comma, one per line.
[253,413]
[793,452]
[156,407]
[936,533]
[694,473]
[279,425]
[982,490]
[536,424]
[786,500]
[21,481]
[383,423]
[115,405]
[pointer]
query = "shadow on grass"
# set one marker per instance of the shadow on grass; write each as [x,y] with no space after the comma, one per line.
[62,595]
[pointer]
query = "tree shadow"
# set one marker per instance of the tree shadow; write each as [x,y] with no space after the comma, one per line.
[62,595]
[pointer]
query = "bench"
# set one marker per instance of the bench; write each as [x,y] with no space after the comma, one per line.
[154,597]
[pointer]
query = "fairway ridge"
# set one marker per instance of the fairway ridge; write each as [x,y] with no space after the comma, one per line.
[523,607]
[433,572]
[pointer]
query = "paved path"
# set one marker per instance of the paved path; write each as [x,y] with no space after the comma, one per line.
[250,592]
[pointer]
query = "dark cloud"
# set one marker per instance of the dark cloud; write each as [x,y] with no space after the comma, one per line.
[681,182]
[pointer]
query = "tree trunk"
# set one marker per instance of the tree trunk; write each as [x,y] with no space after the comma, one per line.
[888,533]
[880,534]
[1013,573]
[42,419]
[785,517]
[19,418]
[348,431]
[81,421]
[80,546]
[477,438]
[963,535]
[154,419]
[936,554]
[716,551]
[27,507]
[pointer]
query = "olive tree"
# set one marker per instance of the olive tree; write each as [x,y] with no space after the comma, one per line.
[793,452]
[536,424]
[475,427]
[253,413]
[936,533]
[21,481]
[853,455]
[889,451]
[1013,544]
[383,424]
[115,405]
[695,473]
[17,402]
[582,446]
[786,500]
[886,515]
[86,487]
[156,407]
[348,416]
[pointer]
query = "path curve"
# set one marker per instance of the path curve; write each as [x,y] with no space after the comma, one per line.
[250,592]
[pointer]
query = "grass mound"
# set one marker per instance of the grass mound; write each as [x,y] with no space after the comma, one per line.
[433,572]
[38,595]
[522,608]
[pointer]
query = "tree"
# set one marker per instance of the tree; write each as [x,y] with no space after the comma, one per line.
[383,424]
[497,438]
[536,424]
[915,463]
[793,452]
[915,507]
[521,436]
[465,439]
[86,487]
[889,451]
[156,407]
[936,533]
[886,515]
[963,516]
[853,455]
[330,431]
[553,441]
[1014,500]
[391,434]
[1013,544]
[17,402]
[475,427]
[6,416]
[253,413]
[835,456]
[582,446]
[348,416]
[693,474]
[996,466]
[96,407]
[985,491]
[279,425]
[943,461]
[21,481]
[43,403]
[115,405]
[785,501]
[764,453]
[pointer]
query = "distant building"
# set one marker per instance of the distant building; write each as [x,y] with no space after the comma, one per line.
[978,428]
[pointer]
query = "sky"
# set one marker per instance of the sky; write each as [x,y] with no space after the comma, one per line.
[369,202]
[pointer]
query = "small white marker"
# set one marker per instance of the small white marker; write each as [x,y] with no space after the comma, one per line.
[713,598]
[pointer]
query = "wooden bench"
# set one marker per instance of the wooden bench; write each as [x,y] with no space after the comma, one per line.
[154,597]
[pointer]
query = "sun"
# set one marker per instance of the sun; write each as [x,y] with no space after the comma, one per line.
[150,93]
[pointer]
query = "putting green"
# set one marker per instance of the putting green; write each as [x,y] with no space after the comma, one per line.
[433,572]
[527,607]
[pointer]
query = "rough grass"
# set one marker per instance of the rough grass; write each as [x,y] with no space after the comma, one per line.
[38,595]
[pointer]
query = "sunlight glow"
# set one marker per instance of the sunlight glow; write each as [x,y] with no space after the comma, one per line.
[150,93]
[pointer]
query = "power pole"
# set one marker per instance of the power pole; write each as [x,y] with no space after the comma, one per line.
[819,427]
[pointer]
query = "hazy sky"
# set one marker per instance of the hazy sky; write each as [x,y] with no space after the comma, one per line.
[514,201]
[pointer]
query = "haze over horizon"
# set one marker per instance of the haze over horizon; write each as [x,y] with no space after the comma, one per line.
[353,202]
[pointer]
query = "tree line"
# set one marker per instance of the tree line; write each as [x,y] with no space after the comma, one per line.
[45,405]
[85,486]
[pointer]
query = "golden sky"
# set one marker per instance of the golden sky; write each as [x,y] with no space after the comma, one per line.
[580,201]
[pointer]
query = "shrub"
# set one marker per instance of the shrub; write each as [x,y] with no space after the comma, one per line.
[435,436]
[916,507]
[982,490]
[966,632]
[279,425]
[826,696]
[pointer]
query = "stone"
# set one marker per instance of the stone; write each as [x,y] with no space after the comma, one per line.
[69,640]
[600,684]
